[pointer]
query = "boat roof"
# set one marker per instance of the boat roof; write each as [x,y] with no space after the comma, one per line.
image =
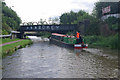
[58,34]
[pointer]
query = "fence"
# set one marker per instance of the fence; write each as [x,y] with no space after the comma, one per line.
[5,36]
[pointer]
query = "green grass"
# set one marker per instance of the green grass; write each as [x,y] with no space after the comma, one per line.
[0,41]
[102,41]
[10,48]
[8,40]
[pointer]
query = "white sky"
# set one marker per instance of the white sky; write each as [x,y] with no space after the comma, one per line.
[34,10]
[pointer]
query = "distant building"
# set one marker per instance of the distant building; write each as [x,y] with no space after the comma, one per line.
[110,15]
[112,9]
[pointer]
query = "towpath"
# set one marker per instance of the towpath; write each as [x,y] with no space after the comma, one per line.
[10,42]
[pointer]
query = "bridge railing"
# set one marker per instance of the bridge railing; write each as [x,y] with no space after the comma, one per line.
[48,27]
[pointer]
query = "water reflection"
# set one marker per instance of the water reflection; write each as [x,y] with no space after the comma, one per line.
[78,51]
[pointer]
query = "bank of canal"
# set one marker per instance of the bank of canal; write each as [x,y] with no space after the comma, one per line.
[44,60]
[9,46]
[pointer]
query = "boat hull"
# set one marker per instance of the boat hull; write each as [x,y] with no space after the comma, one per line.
[60,43]
[63,44]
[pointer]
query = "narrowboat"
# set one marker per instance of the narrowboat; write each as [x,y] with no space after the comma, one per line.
[66,41]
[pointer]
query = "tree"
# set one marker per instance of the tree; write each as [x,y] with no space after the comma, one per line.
[113,22]
[68,18]
[54,20]
[10,19]
[81,16]
[42,22]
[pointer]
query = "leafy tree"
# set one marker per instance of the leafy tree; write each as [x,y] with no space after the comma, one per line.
[42,22]
[68,18]
[113,22]
[10,19]
[81,16]
[54,20]
[4,32]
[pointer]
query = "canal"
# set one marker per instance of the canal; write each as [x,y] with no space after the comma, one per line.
[45,60]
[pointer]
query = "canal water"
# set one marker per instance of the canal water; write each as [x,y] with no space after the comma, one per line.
[45,60]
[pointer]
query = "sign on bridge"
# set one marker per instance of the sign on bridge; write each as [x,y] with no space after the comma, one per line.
[50,28]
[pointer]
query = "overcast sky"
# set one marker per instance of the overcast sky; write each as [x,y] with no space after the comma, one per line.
[34,10]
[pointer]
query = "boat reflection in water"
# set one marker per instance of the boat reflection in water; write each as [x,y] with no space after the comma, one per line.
[78,51]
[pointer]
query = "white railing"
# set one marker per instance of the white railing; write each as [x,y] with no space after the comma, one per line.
[5,36]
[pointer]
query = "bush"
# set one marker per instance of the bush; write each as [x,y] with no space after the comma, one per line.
[4,32]
[111,41]
[44,34]
[114,26]
[112,22]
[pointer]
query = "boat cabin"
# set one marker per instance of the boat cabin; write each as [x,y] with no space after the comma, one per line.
[64,38]
[57,36]
[69,41]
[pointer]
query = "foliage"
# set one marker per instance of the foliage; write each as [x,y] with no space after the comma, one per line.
[10,20]
[4,32]
[81,16]
[54,20]
[111,41]
[44,34]
[93,31]
[42,22]
[68,18]
[112,22]
[69,40]
[115,26]
[70,33]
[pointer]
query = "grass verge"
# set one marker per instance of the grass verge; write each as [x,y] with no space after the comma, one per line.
[7,40]
[101,41]
[11,48]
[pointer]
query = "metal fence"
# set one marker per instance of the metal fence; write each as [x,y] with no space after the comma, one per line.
[5,36]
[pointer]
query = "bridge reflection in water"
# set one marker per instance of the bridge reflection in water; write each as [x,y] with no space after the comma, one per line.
[44,60]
